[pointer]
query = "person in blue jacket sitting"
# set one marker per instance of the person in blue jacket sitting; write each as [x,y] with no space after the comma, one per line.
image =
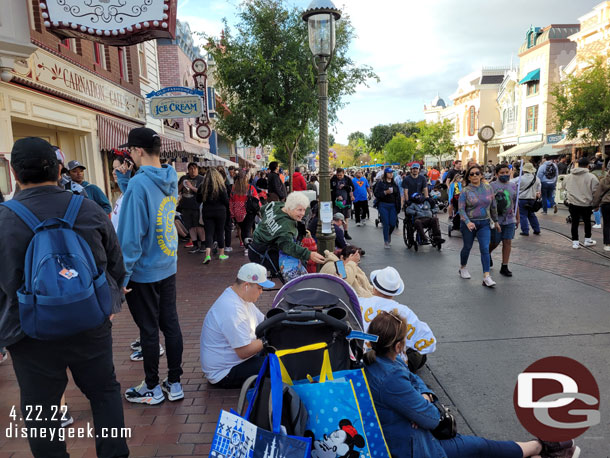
[407,415]
[424,210]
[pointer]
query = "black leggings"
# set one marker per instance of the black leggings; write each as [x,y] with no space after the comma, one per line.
[214,224]
[246,226]
[577,212]
[606,222]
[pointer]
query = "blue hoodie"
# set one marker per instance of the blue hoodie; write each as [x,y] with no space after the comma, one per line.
[146,230]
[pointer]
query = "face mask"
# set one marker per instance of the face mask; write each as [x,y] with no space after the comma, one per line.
[504,178]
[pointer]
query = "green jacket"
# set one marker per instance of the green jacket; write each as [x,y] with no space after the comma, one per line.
[279,230]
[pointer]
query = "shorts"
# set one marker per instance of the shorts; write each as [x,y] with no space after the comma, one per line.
[344,211]
[507,232]
[190,217]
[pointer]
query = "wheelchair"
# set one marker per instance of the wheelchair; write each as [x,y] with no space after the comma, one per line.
[412,238]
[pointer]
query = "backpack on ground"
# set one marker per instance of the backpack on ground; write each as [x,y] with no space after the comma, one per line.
[550,172]
[63,292]
[503,202]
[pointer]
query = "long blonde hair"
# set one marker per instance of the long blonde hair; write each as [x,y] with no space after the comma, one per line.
[213,185]
[241,186]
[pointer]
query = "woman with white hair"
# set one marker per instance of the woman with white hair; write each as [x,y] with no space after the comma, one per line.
[278,231]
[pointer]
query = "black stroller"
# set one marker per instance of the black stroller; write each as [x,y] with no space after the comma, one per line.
[310,309]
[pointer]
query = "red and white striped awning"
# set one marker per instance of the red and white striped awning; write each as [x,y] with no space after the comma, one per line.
[113,132]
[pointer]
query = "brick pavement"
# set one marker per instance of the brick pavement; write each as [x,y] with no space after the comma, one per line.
[172,428]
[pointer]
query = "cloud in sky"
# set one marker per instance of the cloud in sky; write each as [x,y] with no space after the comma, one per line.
[418,49]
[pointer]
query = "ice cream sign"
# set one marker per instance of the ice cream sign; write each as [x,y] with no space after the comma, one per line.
[176,106]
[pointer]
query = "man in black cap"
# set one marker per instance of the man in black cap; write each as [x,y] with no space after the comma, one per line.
[76,170]
[149,241]
[40,366]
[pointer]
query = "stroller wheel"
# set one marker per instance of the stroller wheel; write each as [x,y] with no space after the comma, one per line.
[415,246]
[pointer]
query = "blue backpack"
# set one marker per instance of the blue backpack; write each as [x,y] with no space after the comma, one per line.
[64,292]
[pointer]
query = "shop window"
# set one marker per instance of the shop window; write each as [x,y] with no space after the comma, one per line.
[99,54]
[471,121]
[142,60]
[123,64]
[69,43]
[5,177]
[531,115]
[532,88]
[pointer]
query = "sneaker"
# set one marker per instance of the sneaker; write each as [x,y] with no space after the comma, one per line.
[347,236]
[141,394]
[504,271]
[575,244]
[207,260]
[245,252]
[66,418]
[189,245]
[565,449]
[172,390]
[136,345]
[228,249]
[606,247]
[386,245]
[537,233]
[524,234]
[487,281]
[590,242]
[194,250]
[201,250]
[138,356]
[223,257]
[597,226]
[464,273]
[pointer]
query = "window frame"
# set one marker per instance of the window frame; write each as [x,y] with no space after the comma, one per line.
[471,121]
[142,61]
[531,118]
[123,63]
[532,88]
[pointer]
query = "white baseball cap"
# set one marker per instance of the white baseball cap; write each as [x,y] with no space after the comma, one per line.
[255,273]
[387,281]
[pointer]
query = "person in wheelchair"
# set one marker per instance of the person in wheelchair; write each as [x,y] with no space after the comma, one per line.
[278,231]
[423,211]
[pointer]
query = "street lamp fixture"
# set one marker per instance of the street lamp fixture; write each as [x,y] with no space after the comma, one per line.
[321,16]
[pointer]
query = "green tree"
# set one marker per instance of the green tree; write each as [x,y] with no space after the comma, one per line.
[265,73]
[383,133]
[354,137]
[331,139]
[400,149]
[582,104]
[436,139]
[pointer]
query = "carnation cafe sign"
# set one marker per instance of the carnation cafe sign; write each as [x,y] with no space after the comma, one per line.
[113,22]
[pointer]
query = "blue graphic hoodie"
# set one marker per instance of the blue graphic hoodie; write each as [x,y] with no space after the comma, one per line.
[146,229]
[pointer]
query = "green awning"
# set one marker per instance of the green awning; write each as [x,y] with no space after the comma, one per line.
[531,76]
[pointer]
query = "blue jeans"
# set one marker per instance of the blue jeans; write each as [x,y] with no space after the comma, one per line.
[548,196]
[389,218]
[482,232]
[526,215]
[598,217]
[479,447]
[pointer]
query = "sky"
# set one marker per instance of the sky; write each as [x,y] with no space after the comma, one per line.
[418,48]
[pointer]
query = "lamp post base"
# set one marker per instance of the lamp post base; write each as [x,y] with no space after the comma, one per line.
[326,242]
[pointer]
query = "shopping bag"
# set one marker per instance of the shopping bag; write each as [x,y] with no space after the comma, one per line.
[342,418]
[291,267]
[236,437]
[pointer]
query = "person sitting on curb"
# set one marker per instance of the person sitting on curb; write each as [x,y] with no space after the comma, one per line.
[356,278]
[230,351]
[420,340]
[339,223]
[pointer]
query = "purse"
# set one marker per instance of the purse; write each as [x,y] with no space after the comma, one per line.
[537,203]
[253,205]
[447,426]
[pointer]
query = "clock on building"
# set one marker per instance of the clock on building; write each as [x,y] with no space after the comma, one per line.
[204,131]
[199,66]
[486,133]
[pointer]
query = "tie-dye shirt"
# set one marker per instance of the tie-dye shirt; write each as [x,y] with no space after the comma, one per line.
[477,203]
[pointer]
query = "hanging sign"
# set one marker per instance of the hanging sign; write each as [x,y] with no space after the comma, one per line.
[172,107]
[112,22]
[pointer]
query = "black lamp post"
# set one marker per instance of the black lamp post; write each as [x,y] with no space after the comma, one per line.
[321,16]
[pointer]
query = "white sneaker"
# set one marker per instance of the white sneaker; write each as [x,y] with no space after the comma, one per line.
[590,242]
[228,249]
[575,244]
[386,245]
[606,247]
[597,226]
[464,273]
[487,281]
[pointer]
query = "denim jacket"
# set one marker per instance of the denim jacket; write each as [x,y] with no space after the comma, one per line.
[397,394]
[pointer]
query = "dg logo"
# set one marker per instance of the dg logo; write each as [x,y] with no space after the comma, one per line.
[557,399]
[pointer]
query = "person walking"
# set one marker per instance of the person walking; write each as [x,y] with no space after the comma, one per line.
[243,216]
[77,174]
[214,203]
[414,183]
[362,193]
[40,365]
[388,204]
[548,173]
[188,186]
[601,200]
[529,191]
[580,187]
[505,194]
[150,242]
[477,206]
[342,195]
[276,188]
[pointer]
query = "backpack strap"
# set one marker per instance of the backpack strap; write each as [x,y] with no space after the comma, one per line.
[24,213]
[73,209]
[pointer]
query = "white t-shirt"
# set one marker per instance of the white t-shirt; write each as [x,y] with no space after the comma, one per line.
[114,216]
[419,334]
[230,324]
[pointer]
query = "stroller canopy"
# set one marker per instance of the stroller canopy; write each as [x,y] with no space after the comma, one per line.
[322,288]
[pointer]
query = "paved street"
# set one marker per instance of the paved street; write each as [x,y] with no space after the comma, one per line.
[556,304]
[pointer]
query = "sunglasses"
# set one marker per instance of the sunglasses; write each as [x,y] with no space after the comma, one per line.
[474,174]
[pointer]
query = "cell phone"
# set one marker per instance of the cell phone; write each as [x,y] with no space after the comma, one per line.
[340,266]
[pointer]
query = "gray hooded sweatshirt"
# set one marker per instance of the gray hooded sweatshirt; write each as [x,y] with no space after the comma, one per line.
[580,186]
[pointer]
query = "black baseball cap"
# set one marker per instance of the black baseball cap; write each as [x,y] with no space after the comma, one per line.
[75,165]
[142,137]
[32,153]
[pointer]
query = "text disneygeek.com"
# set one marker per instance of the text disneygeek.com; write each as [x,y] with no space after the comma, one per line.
[55,433]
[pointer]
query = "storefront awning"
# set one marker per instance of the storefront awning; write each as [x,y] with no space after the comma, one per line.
[521,150]
[113,132]
[578,142]
[546,149]
[531,76]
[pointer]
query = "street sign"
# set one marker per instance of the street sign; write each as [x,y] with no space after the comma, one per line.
[173,107]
